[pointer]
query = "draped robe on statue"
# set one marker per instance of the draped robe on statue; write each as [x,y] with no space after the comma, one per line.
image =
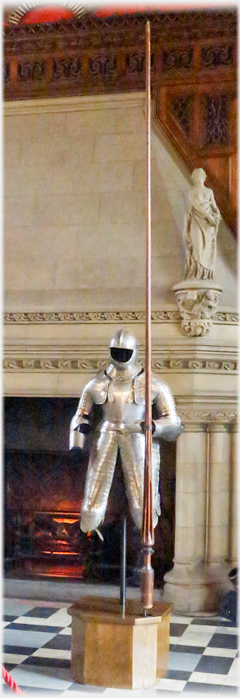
[200,237]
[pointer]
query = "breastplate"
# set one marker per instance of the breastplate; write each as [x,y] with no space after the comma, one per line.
[120,408]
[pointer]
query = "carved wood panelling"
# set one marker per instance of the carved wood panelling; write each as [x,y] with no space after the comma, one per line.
[193,77]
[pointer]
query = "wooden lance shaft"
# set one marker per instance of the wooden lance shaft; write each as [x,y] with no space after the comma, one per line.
[147,573]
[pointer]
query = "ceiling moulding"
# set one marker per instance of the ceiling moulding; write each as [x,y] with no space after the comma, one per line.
[74,104]
[103,55]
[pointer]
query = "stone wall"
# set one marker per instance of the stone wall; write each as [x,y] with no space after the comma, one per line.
[74,266]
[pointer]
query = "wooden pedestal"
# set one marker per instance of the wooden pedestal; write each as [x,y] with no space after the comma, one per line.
[108,650]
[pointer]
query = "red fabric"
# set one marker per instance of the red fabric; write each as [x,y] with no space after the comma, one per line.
[46,14]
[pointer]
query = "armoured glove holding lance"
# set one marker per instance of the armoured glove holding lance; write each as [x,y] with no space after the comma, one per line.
[120,393]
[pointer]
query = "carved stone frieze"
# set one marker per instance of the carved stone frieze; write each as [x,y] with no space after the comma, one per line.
[83,317]
[196,415]
[89,362]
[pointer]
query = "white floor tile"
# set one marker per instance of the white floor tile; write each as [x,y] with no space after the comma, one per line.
[16,607]
[60,618]
[125,692]
[52,654]
[40,677]
[87,694]
[201,629]
[235,668]
[219,652]
[181,661]
[32,620]
[26,638]
[201,677]
[195,639]
[8,658]
[171,685]
[66,631]
[4,623]
[173,640]
[180,619]
[232,681]
[225,630]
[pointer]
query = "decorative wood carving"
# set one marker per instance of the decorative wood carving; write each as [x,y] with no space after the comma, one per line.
[193,77]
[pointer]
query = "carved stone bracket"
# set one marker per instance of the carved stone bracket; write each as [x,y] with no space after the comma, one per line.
[197,303]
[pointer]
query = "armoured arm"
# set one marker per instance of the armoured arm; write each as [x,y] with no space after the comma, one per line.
[168,425]
[80,423]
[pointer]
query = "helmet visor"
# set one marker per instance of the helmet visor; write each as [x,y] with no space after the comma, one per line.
[121,355]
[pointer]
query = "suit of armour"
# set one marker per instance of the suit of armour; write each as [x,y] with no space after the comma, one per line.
[120,394]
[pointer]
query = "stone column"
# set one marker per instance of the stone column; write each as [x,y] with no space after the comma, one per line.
[206,516]
[185,584]
[217,511]
[233,494]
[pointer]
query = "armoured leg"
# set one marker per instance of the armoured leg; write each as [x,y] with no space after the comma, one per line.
[98,481]
[132,449]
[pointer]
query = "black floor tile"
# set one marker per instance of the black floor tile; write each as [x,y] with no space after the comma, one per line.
[87,689]
[206,621]
[48,692]
[41,612]
[60,642]
[47,661]
[177,674]
[214,665]
[5,690]
[203,688]
[9,666]
[229,642]
[18,649]
[228,690]
[187,649]
[35,628]
[9,619]
[177,629]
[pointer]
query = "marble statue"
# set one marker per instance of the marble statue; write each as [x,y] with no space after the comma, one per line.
[200,229]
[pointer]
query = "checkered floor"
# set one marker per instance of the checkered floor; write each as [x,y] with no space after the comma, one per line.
[203,658]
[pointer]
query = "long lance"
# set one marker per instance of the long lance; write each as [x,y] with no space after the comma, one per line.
[147,573]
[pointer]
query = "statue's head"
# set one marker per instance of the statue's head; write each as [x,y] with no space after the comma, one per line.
[123,349]
[198,175]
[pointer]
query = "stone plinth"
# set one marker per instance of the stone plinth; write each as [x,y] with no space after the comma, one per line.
[109,650]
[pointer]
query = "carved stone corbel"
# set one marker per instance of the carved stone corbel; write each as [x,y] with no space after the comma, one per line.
[197,303]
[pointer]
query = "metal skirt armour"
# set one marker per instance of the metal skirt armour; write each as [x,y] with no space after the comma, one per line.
[100,475]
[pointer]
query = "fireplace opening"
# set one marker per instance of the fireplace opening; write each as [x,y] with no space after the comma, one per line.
[43,492]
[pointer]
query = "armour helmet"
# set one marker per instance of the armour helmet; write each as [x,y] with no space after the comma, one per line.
[123,349]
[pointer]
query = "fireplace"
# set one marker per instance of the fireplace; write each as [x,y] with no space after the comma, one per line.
[43,491]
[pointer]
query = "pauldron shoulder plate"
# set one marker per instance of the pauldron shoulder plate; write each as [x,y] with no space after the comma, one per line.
[98,387]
